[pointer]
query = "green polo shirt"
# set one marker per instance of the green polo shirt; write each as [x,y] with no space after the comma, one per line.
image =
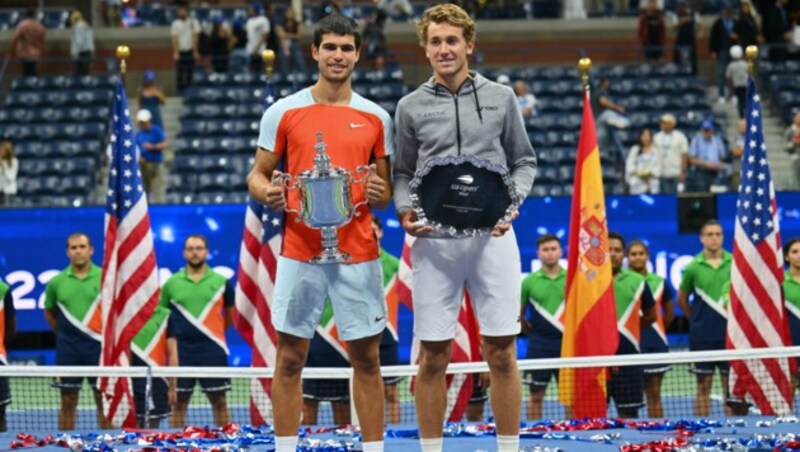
[151,330]
[390,266]
[709,311]
[791,292]
[632,296]
[545,295]
[75,298]
[196,323]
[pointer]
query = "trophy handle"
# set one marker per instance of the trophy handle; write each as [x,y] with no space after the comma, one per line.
[285,180]
[363,172]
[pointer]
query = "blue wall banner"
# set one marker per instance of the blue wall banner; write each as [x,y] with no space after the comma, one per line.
[33,242]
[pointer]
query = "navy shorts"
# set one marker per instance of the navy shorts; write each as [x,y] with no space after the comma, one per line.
[539,379]
[208,358]
[479,394]
[626,387]
[389,357]
[708,367]
[652,369]
[158,402]
[5,391]
[322,354]
[83,353]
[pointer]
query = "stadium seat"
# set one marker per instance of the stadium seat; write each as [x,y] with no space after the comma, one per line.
[212,182]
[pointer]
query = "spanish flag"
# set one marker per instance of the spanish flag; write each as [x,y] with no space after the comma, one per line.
[590,322]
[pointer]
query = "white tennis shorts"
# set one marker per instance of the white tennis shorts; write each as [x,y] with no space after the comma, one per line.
[488,267]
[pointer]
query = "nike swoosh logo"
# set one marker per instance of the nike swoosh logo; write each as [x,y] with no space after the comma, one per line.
[378,319]
[356,126]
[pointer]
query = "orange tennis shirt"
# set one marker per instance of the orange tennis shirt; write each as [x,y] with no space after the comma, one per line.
[354,135]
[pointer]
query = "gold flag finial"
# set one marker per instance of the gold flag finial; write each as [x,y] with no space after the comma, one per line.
[751,55]
[268,57]
[123,52]
[584,64]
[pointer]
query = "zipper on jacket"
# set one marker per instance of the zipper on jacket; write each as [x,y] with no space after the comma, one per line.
[458,124]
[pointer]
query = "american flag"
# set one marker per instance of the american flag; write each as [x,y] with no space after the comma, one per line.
[757,315]
[466,343]
[130,289]
[258,261]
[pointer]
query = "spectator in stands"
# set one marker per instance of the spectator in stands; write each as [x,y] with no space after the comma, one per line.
[201,304]
[526,101]
[72,310]
[736,152]
[652,32]
[736,78]
[81,44]
[673,147]
[185,33]
[633,299]
[705,278]
[111,12]
[257,28]
[151,97]
[706,155]
[8,329]
[542,298]
[219,44]
[791,292]
[152,143]
[9,167]
[289,32]
[610,116]
[239,57]
[747,26]
[777,30]
[447,36]
[791,143]
[396,9]
[723,36]
[154,346]
[375,35]
[654,337]
[643,166]
[27,43]
[273,41]
[688,28]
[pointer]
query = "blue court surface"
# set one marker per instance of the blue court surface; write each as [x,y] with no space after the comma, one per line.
[753,433]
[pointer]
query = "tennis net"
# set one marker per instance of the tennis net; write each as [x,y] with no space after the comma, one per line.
[35,404]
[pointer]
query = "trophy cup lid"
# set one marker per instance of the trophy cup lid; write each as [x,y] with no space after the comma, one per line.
[322,162]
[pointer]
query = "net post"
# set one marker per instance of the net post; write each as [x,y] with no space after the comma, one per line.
[148,393]
[353,412]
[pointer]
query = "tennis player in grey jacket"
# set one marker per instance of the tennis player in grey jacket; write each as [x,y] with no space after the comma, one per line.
[459,112]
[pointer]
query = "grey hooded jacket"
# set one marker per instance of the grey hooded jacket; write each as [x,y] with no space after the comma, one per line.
[482,119]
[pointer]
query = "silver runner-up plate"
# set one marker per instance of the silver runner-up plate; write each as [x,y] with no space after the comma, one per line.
[462,196]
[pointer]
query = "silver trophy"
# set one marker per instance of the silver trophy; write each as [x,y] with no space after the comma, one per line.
[326,200]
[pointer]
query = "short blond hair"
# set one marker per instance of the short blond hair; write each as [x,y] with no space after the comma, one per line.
[445,13]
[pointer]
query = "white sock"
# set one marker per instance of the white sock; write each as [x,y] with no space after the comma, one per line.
[431,444]
[372,446]
[285,443]
[508,443]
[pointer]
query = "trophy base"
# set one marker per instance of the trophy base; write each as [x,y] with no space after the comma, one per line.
[334,257]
